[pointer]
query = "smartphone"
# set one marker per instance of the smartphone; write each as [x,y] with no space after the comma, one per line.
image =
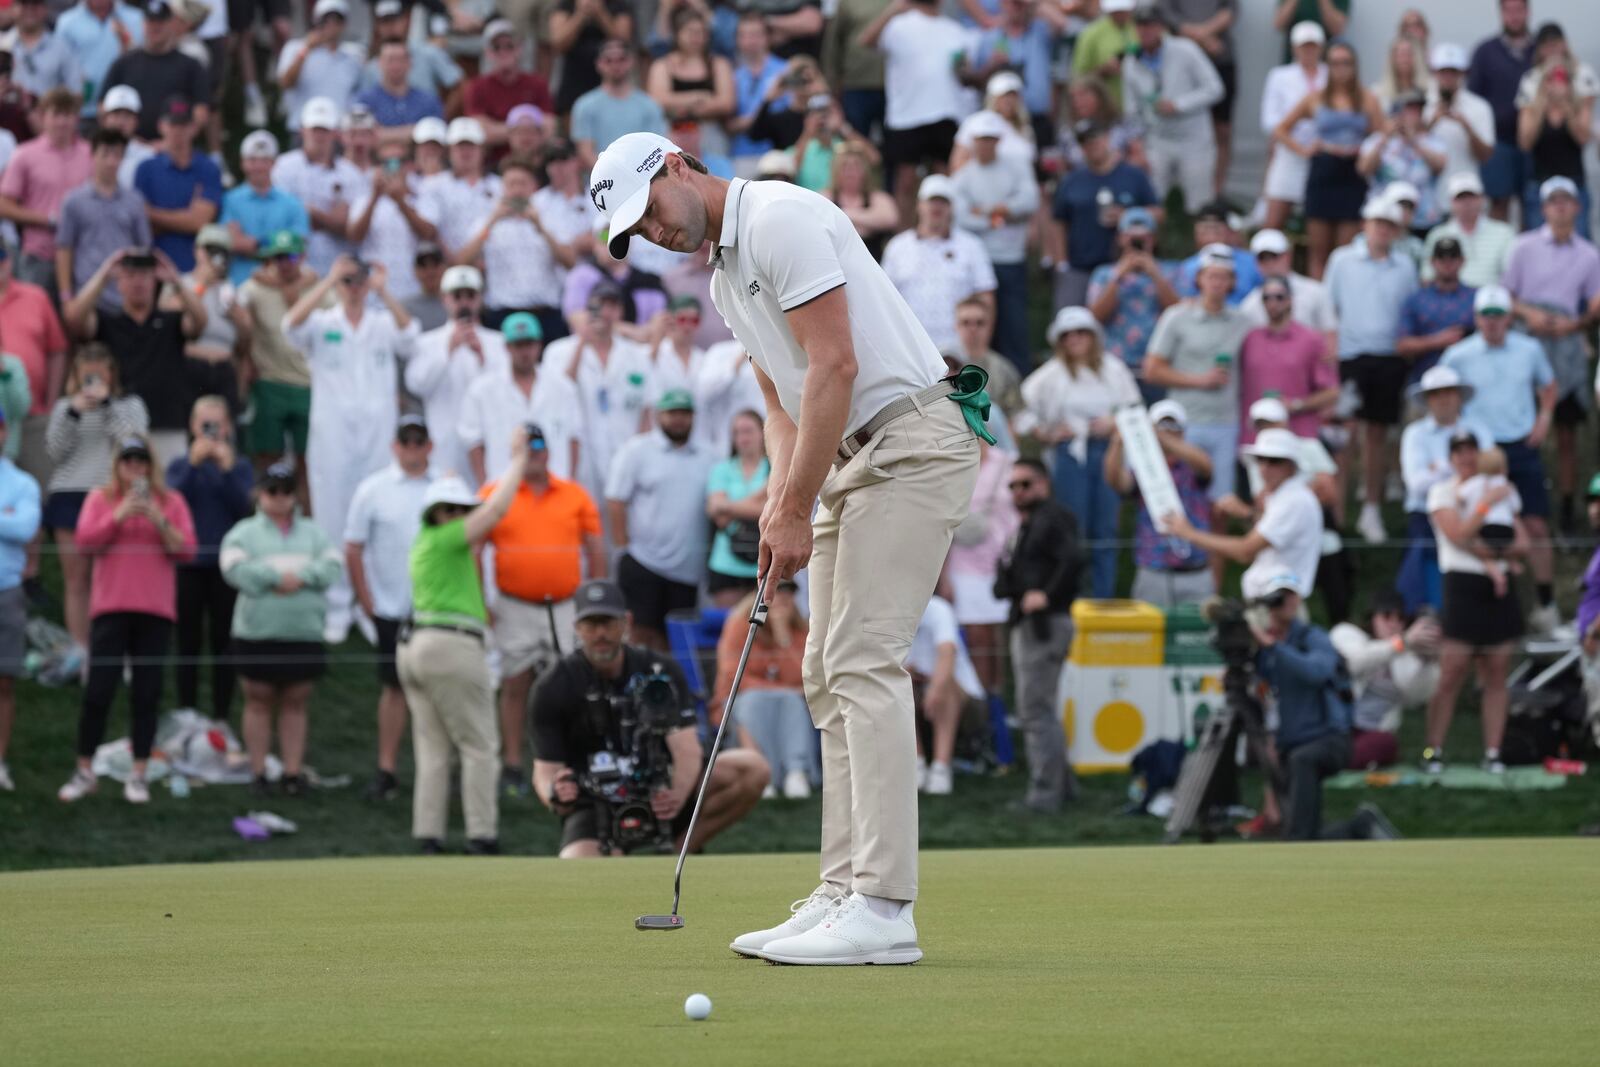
[210,430]
[141,487]
[518,203]
[393,166]
[1139,244]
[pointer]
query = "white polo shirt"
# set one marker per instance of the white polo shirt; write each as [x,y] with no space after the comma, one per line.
[495,406]
[725,386]
[460,206]
[1292,524]
[614,397]
[782,246]
[934,274]
[384,516]
[937,629]
[440,377]
[319,187]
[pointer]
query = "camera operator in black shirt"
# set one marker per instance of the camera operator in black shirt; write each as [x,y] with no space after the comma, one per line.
[616,752]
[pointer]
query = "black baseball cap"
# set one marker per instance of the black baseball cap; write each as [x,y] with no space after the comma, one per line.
[177,109]
[599,598]
[413,423]
[427,250]
[1088,129]
[1216,211]
[1462,438]
[158,9]
[604,290]
[1448,248]
[133,445]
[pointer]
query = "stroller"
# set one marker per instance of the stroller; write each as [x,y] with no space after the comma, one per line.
[1549,711]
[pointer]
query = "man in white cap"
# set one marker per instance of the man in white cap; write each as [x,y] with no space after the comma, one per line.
[1514,393]
[935,266]
[1368,283]
[465,196]
[996,199]
[1310,305]
[429,154]
[327,184]
[1485,242]
[391,221]
[1424,463]
[320,64]
[1285,185]
[614,107]
[1288,536]
[119,110]
[256,209]
[1553,274]
[1462,120]
[858,421]
[353,350]
[448,360]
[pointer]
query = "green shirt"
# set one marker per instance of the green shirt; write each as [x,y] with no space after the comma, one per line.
[816,169]
[1100,42]
[445,587]
[15,398]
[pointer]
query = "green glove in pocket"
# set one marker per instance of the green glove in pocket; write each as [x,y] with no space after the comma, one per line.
[973,398]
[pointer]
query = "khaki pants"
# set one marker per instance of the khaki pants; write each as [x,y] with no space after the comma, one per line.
[881,535]
[446,680]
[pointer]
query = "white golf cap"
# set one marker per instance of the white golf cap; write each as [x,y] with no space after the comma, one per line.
[1002,82]
[1275,444]
[121,98]
[1557,186]
[388,9]
[259,145]
[429,131]
[319,113]
[359,117]
[1447,56]
[1280,583]
[937,185]
[461,276]
[619,184]
[1069,319]
[1169,411]
[1269,409]
[448,490]
[987,124]
[775,163]
[1306,33]
[330,7]
[464,131]
[1435,379]
[1217,255]
[1112,7]
[1464,183]
[1269,242]
[1492,300]
[498,28]
[1383,209]
[1397,191]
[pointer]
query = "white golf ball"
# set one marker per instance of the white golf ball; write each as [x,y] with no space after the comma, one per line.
[698,1006]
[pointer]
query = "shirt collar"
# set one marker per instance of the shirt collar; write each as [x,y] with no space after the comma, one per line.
[730,221]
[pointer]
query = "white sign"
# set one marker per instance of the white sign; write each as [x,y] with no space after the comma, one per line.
[1148,463]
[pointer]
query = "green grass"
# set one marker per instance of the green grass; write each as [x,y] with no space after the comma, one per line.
[1416,952]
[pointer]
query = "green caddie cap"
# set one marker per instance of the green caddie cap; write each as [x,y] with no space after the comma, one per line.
[282,243]
[675,400]
[521,327]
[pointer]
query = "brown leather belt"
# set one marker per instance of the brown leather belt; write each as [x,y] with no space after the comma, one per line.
[898,409]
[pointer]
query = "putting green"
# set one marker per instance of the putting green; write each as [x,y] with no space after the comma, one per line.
[1414,952]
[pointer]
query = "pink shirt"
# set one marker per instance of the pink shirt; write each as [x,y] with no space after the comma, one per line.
[30,330]
[38,178]
[1293,362]
[991,496]
[133,571]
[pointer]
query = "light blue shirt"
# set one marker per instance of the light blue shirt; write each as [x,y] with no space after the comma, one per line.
[749,89]
[432,69]
[728,477]
[664,487]
[1425,455]
[19,520]
[1030,55]
[260,216]
[602,118]
[1504,381]
[95,44]
[1368,295]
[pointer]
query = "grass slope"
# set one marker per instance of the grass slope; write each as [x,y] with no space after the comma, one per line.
[1458,952]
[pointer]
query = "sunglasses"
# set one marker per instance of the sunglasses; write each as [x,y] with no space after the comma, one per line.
[1275,298]
[972,322]
[503,46]
[430,261]
[134,457]
[277,489]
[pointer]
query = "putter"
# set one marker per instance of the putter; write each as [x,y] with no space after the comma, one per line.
[758,619]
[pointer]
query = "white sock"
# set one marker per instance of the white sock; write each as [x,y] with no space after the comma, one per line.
[1370,509]
[883,907]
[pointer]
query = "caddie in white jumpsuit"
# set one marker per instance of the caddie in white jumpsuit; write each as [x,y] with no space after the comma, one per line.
[352,350]
[448,361]
[860,424]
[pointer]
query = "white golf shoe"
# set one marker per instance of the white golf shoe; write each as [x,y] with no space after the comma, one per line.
[806,913]
[850,934]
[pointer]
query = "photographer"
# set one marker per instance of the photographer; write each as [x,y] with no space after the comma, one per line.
[1312,687]
[578,731]
[1394,667]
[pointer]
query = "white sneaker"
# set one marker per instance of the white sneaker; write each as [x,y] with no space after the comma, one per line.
[805,914]
[1370,525]
[255,107]
[850,934]
[1543,620]
[80,785]
[6,784]
[797,785]
[770,792]
[136,791]
[941,780]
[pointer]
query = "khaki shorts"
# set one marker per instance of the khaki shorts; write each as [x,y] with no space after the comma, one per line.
[523,638]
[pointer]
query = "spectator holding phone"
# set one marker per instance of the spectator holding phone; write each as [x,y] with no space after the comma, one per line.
[215,482]
[84,425]
[137,531]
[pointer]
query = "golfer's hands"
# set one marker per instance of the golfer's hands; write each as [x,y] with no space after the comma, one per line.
[785,542]
[666,803]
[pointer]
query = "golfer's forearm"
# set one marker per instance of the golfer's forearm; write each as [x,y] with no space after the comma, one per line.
[826,407]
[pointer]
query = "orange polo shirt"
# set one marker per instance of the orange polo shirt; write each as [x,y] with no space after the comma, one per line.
[538,546]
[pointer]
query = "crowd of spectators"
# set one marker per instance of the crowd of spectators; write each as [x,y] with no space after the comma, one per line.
[276,283]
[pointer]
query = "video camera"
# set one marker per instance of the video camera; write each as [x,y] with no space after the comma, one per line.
[620,783]
[1230,634]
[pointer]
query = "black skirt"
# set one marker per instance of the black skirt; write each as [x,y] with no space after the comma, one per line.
[1335,189]
[1473,615]
[280,662]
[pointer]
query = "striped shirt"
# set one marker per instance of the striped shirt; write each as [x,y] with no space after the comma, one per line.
[80,444]
[1486,249]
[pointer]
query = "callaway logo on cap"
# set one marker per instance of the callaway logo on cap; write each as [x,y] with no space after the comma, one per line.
[619,185]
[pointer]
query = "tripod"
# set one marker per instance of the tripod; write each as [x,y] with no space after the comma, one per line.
[1209,779]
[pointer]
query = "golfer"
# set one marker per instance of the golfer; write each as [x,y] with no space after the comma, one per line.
[861,431]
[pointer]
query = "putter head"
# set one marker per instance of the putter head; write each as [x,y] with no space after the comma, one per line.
[658,922]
